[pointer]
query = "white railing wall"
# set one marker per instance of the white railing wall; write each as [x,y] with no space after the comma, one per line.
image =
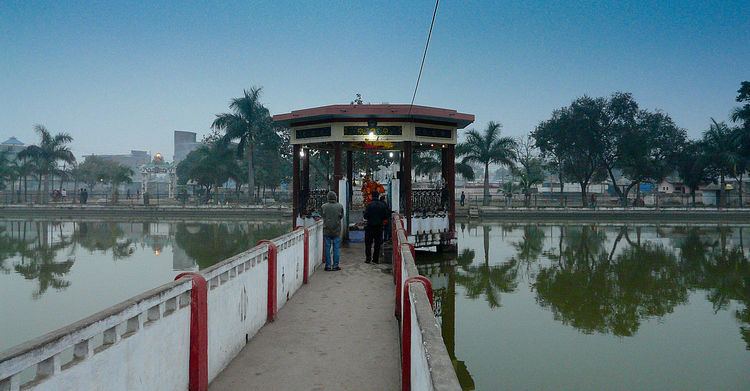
[237,297]
[144,343]
[121,348]
[430,366]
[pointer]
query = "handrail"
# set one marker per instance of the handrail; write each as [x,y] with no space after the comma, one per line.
[127,318]
[433,368]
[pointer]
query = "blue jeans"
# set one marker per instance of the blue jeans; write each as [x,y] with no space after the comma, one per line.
[336,242]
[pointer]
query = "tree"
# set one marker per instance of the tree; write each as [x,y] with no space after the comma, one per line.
[487,148]
[209,166]
[692,166]
[650,153]
[531,170]
[116,175]
[742,114]
[248,120]
[426,163]
[615,125]
[573,135]
[50,151]
[90,171]
[722,153]
[274,157]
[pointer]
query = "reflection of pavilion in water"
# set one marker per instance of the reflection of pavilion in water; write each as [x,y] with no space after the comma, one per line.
[442,273]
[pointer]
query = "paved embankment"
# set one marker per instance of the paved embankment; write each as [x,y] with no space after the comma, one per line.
[614,214]
[138,211]
[336,333]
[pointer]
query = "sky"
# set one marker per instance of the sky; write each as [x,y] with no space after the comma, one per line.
[124,75]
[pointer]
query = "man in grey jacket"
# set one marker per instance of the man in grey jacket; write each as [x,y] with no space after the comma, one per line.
[333,213]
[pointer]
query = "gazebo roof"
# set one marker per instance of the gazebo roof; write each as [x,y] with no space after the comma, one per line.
[12,141]
[350,112]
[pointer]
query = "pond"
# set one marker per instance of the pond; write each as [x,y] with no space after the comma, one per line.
[53,273]
[593,307]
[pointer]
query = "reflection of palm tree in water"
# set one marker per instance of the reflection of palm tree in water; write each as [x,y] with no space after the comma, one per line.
[488,281]
[530,247]
[41,264]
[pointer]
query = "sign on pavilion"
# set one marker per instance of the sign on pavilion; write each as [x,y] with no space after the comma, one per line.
[401,129]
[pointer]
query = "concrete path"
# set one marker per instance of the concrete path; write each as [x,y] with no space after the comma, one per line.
[336,333]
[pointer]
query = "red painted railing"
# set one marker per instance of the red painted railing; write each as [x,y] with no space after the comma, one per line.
[198,373]
[273,251]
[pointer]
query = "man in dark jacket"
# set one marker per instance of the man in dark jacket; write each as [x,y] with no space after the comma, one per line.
[332,213]
[375,213]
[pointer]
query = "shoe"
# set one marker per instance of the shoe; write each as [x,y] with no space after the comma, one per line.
[375,262]
[328,269]
[337,268]
[367,261]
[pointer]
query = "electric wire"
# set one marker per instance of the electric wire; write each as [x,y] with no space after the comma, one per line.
[424,55]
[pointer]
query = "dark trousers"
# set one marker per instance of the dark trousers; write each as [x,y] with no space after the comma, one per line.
[373,233]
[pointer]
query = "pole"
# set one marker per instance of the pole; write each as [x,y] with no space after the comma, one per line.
[406,174]
[295,184]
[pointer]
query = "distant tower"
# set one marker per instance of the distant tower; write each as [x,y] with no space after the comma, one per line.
[184,143]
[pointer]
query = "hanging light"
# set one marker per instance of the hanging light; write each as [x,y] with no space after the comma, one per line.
[301,153]
[390,154]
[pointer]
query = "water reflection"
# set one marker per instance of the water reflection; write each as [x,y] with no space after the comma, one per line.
[442,274]
[598,279]
[45,251]
[484,280]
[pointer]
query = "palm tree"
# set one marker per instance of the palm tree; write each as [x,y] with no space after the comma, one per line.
[6,170]
[248,119]
[50,150]
[488,148]
[118,175]
[428,163]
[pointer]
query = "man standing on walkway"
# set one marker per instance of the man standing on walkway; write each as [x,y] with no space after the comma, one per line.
[375,213]
[333,213]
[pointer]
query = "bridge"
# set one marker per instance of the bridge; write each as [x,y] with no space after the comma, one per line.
[264,319]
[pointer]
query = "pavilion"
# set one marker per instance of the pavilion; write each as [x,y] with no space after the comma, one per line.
[397,129]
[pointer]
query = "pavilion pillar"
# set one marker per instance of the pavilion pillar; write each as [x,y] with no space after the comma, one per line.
[295,184]
[350,174]
[306,171]
[349,187]
[338,166]
[448,161]
[406,183]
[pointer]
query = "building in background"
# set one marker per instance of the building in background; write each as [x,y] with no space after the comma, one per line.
[134,160]
[184,143]
[13,146]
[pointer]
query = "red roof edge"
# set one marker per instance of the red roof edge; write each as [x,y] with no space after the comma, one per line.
[401,111]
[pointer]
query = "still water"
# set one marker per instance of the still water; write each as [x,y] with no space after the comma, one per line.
[53,273]
[595,307]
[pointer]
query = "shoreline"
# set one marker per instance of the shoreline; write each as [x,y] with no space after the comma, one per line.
[734,215]
[138,212]
[276,213]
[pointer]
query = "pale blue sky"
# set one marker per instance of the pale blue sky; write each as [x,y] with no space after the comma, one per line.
[123,76]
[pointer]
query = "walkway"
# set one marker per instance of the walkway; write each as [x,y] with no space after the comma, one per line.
[336,333]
